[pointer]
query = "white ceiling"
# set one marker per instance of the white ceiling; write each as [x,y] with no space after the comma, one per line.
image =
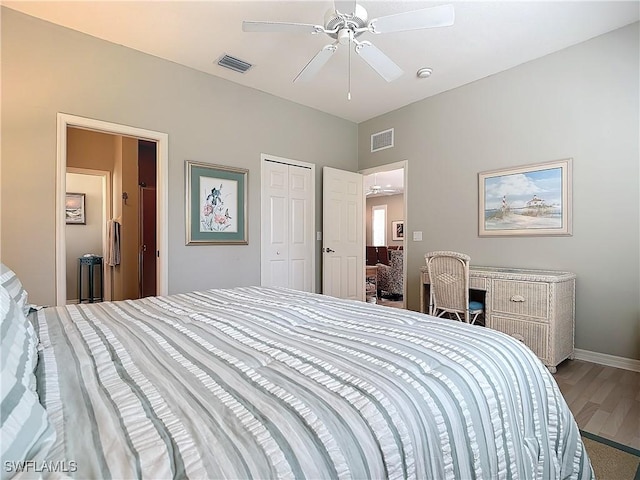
[486,38]
[390,182]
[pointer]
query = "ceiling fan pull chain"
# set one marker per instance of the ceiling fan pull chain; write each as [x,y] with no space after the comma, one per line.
[349,92]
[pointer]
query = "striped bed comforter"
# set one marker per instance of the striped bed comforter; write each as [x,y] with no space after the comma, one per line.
[256,383]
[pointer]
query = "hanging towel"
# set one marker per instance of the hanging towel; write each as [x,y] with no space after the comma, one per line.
[113,254]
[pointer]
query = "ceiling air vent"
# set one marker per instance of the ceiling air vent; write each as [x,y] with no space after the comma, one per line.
[234,64]
[382,140]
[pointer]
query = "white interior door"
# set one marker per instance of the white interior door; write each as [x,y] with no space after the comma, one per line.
[287,225]
[343,230]
[301,227]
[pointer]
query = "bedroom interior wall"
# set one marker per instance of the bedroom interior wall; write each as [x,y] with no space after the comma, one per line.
[581,102]
[395,211]
[48,69]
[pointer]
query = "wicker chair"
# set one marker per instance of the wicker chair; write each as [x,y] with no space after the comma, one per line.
[449,278]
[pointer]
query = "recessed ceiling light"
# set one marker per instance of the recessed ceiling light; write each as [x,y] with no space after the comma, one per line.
[424,72]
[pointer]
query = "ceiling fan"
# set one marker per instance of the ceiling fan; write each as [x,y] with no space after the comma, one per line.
[346,22]
[377,189]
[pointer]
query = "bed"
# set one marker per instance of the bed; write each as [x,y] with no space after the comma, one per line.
[256,383]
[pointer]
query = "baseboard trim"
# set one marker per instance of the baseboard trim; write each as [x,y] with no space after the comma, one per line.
[608,360]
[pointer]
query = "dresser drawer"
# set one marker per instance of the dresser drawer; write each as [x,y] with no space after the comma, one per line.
[527,299]
[534,335]
[478,283]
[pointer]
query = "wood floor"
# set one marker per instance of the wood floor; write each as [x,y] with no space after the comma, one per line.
[604,400]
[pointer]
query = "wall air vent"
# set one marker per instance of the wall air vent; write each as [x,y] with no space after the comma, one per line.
[382,140]
[234,64]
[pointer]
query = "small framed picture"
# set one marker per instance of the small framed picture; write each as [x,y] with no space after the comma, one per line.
[75,209]
[397,228]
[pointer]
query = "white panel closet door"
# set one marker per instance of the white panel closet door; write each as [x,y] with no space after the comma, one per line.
[301,222]
[287,226]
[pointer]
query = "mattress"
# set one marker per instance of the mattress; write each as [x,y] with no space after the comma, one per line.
[254,383]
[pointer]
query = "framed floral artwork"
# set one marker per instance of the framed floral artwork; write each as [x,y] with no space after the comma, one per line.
[216,200]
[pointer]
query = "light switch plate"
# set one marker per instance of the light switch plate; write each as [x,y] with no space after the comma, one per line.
[417,236]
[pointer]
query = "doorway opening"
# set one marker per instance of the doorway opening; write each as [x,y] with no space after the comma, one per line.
[385,241]
[89,236]
[154,201]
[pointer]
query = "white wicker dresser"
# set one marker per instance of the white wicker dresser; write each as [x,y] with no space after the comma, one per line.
[534,306]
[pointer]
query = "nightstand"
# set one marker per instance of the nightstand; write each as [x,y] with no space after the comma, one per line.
[90,263]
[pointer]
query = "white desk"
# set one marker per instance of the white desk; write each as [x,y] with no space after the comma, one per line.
[535,306]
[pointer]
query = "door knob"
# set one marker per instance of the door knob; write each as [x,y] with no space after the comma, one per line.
[329,250]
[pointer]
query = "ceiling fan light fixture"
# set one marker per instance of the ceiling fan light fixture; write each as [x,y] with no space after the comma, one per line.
[424,72]
[345,36]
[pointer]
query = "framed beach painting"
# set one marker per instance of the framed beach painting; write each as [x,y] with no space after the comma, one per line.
[525,201]
[74,209]
[216,200]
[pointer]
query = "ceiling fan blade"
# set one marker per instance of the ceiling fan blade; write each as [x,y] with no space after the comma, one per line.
[316,63]
[250,26]
[346,7]
[440,16]
[379,61]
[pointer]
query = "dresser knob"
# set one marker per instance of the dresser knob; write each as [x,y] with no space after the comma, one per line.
[517,298]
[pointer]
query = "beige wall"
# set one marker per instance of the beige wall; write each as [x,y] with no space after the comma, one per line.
[125,174]
[581,102]
[395,211]
[48,69]
[91,150]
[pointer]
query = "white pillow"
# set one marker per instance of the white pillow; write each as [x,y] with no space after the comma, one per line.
[19,342]
[10,281]
[25,429]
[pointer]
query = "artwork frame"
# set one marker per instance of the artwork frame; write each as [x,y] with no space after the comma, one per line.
[508,202]
[75,209]
[216,204]
[397,230]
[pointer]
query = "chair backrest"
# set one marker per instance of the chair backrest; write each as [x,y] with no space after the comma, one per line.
[383,255]
[372,255]
[449,280]
[395,259]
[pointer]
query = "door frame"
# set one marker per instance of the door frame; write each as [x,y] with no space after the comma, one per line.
[264,157]
[404,164]
[64,121]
